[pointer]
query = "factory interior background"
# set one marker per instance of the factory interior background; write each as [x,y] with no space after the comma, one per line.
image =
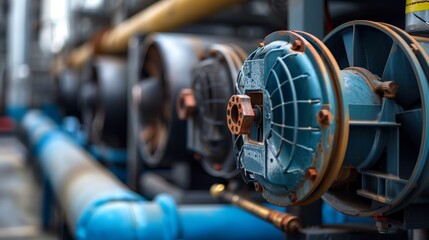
[214,119]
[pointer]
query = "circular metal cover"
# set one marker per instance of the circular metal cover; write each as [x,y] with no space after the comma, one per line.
[213,83]
[393,55]
[300,149]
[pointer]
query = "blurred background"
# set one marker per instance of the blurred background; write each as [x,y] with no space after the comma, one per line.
[113,119]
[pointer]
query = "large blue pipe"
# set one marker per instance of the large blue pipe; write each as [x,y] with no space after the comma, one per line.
[98,206]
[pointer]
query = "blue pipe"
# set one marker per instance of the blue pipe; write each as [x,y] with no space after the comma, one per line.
[98,206]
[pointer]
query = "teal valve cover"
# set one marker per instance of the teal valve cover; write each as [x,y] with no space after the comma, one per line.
[298,129]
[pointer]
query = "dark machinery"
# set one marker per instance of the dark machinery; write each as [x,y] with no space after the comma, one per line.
[161,78]
[67,85]
[204,105]
[104,102]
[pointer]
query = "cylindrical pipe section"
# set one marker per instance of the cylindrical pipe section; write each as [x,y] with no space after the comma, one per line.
[98,206]
[79,182]
[288,223]
[223,222]
[161,16]
[18,96]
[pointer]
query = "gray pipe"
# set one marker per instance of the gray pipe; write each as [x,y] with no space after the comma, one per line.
[18,35]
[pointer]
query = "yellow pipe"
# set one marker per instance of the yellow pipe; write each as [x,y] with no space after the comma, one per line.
[165,15]
[80,55]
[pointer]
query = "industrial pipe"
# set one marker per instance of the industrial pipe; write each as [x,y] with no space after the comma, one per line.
[18,95]
[98,206]
[162,16]
[286,222]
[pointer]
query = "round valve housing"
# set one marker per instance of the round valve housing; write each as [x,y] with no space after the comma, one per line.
[289,147]
[345,119]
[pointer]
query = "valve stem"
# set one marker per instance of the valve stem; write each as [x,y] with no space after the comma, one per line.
[287,223]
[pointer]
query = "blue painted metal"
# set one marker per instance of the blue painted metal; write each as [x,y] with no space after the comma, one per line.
[336,105]
[52,110]
[98,206]
[108,154]
[296,85]
[16,112]
[114,159]
[332,216]
[72,127]
[393,181]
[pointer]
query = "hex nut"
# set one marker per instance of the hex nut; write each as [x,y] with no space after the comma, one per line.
[324,117]
[298,46]
[186,104]
[239,114]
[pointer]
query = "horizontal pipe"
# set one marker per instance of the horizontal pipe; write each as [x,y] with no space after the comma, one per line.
[162,16]
[98,206]
[153,184]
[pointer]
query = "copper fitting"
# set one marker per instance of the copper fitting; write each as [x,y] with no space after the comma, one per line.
[312,174]
[185,104]
[288,223]
[239,114]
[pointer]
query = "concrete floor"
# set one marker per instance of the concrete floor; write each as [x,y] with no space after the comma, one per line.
[19,194]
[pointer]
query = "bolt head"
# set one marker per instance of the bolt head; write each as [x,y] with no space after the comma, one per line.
[312,174]
[324,117]
[298,45]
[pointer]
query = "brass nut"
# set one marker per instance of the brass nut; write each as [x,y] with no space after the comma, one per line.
[186,104]
[239,114]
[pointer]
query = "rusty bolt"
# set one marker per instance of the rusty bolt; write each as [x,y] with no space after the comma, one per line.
[197,157]
[324,117]
[239,114]
[388,88]
[217,167]
[258,187]
[298,45]
[261,44]
[185,104]
[312,174]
